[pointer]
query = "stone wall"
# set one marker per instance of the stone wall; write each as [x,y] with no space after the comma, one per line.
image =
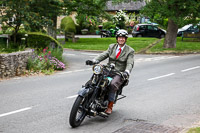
[14,64]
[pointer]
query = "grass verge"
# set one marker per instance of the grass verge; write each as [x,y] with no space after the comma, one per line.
[102,44]
[139,44]
[187,46]
[194,130]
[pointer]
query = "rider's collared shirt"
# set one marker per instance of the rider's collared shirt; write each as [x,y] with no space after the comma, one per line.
[117,50]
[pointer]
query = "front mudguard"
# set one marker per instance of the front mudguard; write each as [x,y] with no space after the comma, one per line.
[85,91]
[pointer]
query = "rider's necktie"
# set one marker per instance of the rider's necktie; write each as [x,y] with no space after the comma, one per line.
[118,53]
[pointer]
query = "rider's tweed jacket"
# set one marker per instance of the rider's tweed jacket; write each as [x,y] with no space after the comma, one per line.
[124,62]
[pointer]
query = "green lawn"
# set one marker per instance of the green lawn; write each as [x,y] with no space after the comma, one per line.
[194,130]
[189,45]
[186,46]
[103,43]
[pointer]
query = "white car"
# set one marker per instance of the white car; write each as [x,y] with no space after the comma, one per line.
[190,28]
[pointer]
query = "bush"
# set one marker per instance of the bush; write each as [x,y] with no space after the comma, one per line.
[11,47]
[120,19]
[87,22]
[1,32]
[108,25]
[40,41]
[68,25]
[10,30]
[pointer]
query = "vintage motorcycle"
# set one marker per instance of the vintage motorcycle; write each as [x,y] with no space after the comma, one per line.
[92,99]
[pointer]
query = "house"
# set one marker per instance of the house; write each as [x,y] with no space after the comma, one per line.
[130,8]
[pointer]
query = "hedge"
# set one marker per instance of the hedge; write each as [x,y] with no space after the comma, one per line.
[40,40]
[68,25]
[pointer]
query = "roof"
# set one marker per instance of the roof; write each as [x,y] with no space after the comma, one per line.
[130,6]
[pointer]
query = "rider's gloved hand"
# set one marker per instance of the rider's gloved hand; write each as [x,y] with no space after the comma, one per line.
[125,75]
[89,62]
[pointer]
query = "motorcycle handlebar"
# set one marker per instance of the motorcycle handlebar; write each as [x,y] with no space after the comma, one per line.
[111,66]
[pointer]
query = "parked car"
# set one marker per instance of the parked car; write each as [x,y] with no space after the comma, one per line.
[148,30]
[190,28]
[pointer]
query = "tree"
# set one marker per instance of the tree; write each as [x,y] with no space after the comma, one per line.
[69,27]
[178,13]
[87,7]
[88,12]
[32,14]
[46,12]
[14,9]
[36,14]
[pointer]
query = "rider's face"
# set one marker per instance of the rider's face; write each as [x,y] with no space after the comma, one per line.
[121,40]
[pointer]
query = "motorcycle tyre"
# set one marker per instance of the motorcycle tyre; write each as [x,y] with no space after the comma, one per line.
[72,120]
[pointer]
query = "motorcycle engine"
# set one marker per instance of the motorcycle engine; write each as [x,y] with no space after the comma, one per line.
[101,106]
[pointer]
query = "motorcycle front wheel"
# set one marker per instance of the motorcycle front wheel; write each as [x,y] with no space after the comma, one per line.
[78,112]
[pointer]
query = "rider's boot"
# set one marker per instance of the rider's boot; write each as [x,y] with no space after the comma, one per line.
[109,109]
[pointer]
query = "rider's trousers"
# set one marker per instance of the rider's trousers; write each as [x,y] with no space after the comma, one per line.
[114,86]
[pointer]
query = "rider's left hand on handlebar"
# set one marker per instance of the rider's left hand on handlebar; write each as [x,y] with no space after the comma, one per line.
[89,62]
[125,75]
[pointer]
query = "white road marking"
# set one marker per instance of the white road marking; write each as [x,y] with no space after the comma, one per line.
[72,96]
[161,76]
[16,111]
[17,78]
[155,58]
[170,57]
[69,54]
[192,68]
[81,70]
[92,54]
[65,72]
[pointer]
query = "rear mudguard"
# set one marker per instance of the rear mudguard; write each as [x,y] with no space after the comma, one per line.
[85,91]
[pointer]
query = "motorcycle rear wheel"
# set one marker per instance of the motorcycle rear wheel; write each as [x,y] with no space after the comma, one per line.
[78,112]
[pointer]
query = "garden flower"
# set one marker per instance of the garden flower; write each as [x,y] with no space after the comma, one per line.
[44,50]
[45,61]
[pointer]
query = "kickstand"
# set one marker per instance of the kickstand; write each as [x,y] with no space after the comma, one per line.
[122,96]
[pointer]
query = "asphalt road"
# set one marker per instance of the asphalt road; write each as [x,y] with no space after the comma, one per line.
[163,95]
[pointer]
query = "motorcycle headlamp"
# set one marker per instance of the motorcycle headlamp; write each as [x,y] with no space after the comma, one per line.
[97,69]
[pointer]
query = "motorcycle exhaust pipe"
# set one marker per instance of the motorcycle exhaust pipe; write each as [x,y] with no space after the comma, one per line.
[92,113]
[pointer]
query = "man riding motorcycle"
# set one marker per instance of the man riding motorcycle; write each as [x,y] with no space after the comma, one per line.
[122,56]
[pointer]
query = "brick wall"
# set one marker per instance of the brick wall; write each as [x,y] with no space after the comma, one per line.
[14,64]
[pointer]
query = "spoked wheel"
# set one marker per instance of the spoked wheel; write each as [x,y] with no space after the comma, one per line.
[78,112]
